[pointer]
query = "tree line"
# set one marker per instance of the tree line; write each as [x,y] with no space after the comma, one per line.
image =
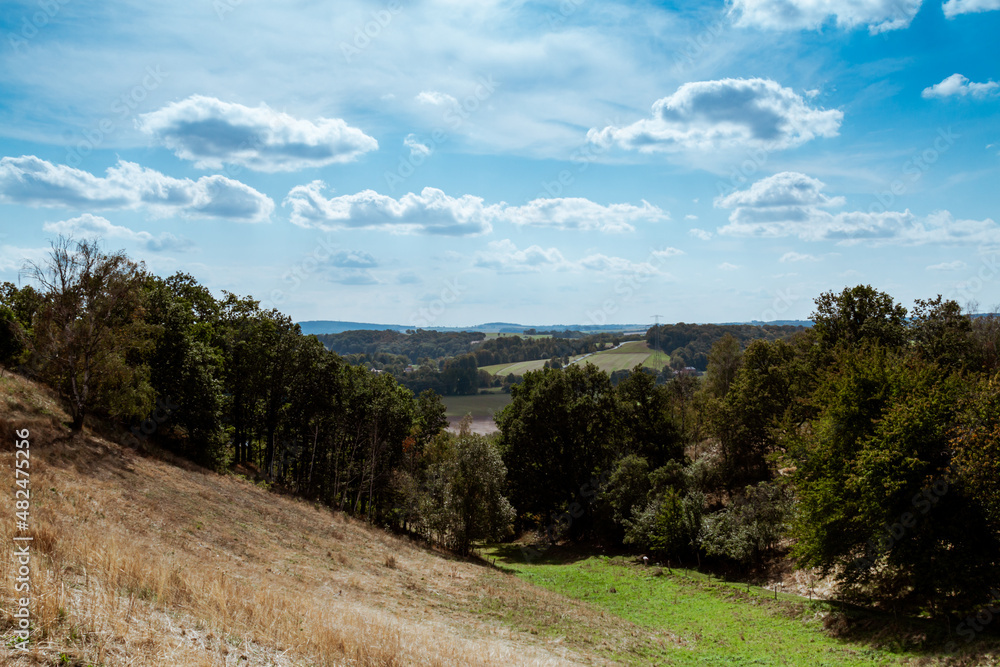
[866,446]
[232,385]
[691,343]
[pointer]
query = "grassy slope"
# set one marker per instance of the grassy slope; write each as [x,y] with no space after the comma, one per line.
[714,623]
[139,560]
[143,560]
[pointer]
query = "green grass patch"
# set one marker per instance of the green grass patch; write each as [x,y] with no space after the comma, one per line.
[712,622]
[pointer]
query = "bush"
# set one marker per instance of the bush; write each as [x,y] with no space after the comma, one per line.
[751,526]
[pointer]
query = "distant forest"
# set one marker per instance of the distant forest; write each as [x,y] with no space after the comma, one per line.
[691,343]
[447,362]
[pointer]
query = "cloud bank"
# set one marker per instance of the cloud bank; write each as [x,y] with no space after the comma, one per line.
[879,15]
[792,204]
[728,113]
[32,181]
[212,133]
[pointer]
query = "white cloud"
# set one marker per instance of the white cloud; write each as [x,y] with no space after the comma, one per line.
[798,257]
[726,266]
[32,181]
[690,216]
[436,98]
[953,8]
[957,84]
[430,212]
[434,212]
[667,252]
[212,133]
[700,234]
[583,214]
[767,210]
[957,265]
[729,113]
[878,15]
[788,188]
[505,257]
[92,226]
[416,148]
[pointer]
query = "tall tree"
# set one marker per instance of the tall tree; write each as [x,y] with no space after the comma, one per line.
[859,314]
[556,433]
[89,326]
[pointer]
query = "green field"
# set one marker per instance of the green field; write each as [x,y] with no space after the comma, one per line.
[517,368]
[694,620]
[625,357]
[482,406]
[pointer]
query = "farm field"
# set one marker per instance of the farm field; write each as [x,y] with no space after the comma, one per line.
[624,357]
[519,367]
[482,407]
[694,620]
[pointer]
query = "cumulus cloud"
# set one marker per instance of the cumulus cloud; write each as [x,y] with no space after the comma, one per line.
[788,188]
[434,212]
[957,84]
[798,257]
[436,98]
[759,211]
[957,265]
[35,182]
[212,133]
[505,257]
[879,15]
[582,214]
[700,234]
[93,226]
[726,266]
[953,8]
[728,113]
[430,212]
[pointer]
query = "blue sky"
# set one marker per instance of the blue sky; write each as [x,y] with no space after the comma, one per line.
[447,163]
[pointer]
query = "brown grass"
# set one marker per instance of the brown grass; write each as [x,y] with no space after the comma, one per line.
[141,561]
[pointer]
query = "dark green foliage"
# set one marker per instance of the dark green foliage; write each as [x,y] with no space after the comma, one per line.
[88,334]
[942,334]
[690,344]
[558,431]
[413,346]
[746,418]
[858,315]
[749,528]
[646,425]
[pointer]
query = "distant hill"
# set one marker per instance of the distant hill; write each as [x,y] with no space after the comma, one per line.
[337,326]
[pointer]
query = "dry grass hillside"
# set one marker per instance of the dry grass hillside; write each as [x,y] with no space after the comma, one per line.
[139,559]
